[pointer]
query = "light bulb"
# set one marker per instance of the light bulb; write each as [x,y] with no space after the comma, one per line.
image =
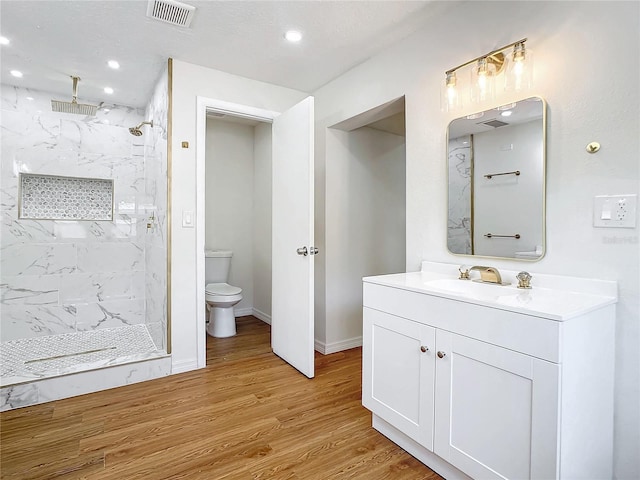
[293,36]
[451,88]
[451,95]
[482,81]
[482,74]
[519,74]
[518,67]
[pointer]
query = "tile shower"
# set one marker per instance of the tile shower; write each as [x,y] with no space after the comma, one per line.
[83,301]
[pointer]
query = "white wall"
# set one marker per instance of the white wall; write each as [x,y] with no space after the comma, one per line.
[587,68]
[262,222]
[188,82]
[508,204]
[367,231]
[229,200]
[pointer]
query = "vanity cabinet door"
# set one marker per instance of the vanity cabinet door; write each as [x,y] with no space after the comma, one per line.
[496,410]
[398,373]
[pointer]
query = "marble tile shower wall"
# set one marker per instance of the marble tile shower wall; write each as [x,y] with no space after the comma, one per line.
[155,175]
[65,276]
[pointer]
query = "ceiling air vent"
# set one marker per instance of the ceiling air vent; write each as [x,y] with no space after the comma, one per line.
[493,123]
[170,11]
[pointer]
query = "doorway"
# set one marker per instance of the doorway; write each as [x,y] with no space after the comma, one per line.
[235,114]
[291,220]
[238,205]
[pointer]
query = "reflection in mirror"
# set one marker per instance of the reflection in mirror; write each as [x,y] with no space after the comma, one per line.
[496,172]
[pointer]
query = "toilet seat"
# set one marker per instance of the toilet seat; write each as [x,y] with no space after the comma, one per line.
[222,289]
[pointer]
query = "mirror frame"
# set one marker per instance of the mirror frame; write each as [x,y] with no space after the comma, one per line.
[543,189]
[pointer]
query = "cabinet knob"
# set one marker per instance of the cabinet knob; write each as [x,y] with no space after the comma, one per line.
[424,349]
[441,354]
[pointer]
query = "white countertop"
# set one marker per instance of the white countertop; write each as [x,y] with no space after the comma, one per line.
[554,297]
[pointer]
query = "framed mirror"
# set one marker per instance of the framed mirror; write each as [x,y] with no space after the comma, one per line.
[496,182]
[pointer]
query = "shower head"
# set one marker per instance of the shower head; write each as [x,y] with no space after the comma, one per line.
[73,106]
[136,132]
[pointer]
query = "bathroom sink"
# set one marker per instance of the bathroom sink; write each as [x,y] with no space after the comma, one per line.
[553,297]
[470,288]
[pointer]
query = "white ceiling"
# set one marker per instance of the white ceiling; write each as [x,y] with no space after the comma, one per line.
[53,39]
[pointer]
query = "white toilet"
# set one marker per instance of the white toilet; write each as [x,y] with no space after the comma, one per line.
[220,296]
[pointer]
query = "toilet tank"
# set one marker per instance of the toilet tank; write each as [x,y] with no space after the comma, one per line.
[217,263]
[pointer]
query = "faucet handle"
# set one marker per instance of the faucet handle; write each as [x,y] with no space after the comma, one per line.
[464,272]
[524,280]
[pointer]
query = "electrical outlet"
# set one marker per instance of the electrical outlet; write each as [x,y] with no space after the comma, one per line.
[615,211]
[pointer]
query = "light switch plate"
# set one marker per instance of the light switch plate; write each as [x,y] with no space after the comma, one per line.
[615,211]
[188,220]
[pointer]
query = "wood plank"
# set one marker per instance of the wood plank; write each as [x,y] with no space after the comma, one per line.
[247,415]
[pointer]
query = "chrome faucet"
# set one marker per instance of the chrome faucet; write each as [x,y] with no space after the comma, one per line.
[488,274]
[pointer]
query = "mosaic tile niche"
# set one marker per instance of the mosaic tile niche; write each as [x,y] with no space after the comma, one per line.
[49,197]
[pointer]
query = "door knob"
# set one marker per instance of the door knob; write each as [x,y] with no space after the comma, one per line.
[441,354]
[424,349]
[314,251]
[302,251]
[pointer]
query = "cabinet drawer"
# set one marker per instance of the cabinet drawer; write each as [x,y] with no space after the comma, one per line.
[534,336]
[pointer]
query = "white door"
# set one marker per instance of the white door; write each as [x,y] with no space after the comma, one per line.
[292,334]
[398,373]
[496,410]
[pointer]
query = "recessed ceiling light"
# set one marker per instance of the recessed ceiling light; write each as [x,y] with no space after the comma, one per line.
[506,113]
[30,99]
[16,73]
[4,41]
[108,90]
[113,64]
[293,36]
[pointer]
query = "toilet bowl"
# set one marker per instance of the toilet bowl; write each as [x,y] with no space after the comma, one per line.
[220,298]
[219,295]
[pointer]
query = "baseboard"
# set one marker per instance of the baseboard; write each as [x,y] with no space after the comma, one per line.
[327,348]
[262,316]
[184,366]
[243,312]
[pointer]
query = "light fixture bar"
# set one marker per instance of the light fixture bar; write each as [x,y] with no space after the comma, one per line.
[493,52]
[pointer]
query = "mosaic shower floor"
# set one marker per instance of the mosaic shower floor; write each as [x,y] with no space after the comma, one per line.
[28,359]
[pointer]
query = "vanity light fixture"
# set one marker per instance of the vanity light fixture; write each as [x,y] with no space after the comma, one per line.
[491,72]
[113,64]
[108,90]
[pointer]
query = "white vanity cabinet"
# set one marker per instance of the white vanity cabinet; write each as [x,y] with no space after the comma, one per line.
[496,410]
[481,392]
[399,373]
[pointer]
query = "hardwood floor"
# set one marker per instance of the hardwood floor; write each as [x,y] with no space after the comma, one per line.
[247,415]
